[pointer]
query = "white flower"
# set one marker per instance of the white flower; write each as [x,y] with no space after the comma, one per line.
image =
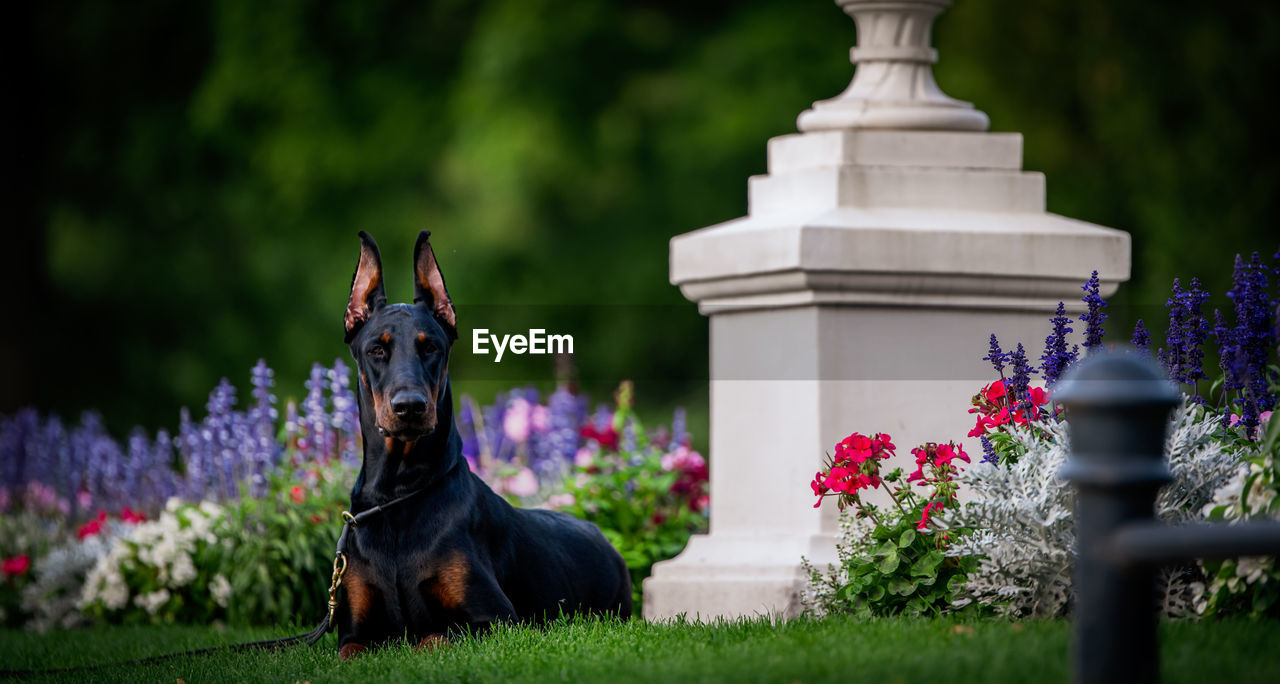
[152,602]
[183,570]
[221,590]
[1252,568]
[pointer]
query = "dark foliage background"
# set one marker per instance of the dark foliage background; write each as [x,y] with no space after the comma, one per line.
[190,176]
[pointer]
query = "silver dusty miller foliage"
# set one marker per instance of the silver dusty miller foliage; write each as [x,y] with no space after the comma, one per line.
[1022,517]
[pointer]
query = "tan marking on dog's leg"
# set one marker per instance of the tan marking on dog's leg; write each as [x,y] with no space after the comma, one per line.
[391,445]
[450,586]
[351,650]
[359,596]
[408,446]
[432,642]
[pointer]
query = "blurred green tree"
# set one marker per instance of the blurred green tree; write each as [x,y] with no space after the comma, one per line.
[193,175]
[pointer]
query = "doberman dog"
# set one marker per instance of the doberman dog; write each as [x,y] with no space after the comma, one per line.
[454,556]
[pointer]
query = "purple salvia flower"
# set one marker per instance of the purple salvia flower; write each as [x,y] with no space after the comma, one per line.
[1194,331]
[291,425]
[530,394]
[680,424]
[1183,357]
[263,379]
[603,417]
[1021,380]
[1141,339]
[103,460]
[1055,359]
[627,440]
[263,451]
[137,473]
[1254,337]
[996,356]
[346,416]
[14,435]
[1171,355]
[466,422]
[189,447]
[164,476]
[565,414]
[218,431]
[989,452]
[315,421]
[1093,317]
[1226,338]
[495,436]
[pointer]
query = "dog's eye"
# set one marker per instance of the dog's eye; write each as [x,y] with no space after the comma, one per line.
[377,351]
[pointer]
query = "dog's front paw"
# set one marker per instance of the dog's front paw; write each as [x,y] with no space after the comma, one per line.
[351,650]
[431,642]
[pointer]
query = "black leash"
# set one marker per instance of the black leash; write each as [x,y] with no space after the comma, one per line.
[310,638]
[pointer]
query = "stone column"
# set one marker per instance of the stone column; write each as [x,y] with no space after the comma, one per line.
[889,239]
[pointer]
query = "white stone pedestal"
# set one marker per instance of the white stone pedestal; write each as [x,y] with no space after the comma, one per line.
[857,295]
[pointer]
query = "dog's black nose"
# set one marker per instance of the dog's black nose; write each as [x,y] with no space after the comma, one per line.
[408,404]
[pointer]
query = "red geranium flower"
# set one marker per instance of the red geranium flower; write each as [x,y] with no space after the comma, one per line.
[924,517]
[93,526]
[131,516]
[298,494]
[16,566]
[606,438]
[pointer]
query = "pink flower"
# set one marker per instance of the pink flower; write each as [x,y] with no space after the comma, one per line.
[523,483]
[683,459]
[584,458]
[541,419]
[131,516]
[994,392]
[16,566]
[516,422]
[561,500]
[298,494]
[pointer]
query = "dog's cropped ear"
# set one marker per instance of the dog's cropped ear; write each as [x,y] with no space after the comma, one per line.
[428,285]
[367,292]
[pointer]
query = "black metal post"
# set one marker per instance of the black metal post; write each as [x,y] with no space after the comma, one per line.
[1118,409]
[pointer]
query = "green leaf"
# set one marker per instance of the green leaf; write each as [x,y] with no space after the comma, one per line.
[886,548]
[907,539]
[900,586]
[928,564]
[889,563]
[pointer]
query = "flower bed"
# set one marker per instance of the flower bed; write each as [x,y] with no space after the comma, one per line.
[235,518]
[1011,547]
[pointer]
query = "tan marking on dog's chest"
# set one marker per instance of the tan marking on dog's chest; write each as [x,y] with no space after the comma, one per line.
[449,585]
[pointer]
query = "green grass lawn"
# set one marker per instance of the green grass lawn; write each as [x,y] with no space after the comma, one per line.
[836,650]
